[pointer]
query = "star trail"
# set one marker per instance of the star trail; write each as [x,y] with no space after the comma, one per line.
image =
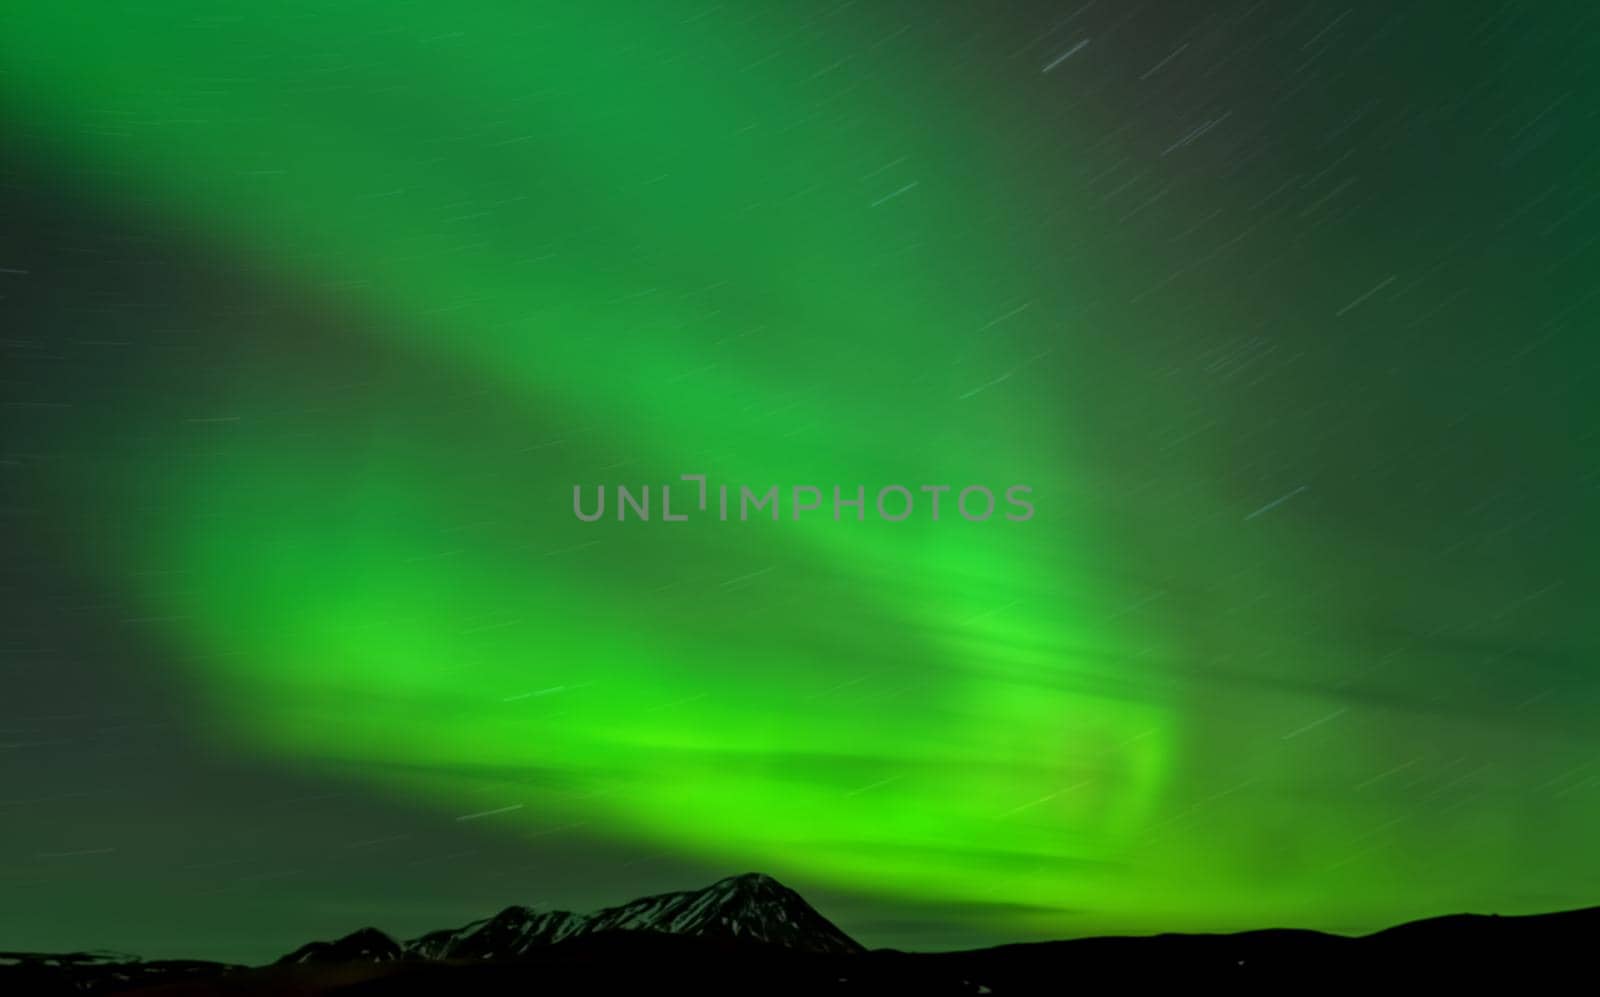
[315,314]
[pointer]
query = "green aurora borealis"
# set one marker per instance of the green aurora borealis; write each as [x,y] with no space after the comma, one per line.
[1286,315]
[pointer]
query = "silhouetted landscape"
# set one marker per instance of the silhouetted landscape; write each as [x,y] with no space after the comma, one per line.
[750,934]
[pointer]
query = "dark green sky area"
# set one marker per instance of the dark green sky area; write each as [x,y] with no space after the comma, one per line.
[312,314]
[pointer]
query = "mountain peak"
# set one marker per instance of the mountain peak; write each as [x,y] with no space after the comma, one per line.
[749,881]
[364,945]
[753,885]
[751,907]
[748,907]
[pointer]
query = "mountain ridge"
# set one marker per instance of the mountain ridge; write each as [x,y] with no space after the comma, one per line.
[751,934]
[748,907]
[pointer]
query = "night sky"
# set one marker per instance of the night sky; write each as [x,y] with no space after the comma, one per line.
[312,314]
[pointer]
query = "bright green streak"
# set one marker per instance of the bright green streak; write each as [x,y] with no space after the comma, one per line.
[653,185]
[705,260]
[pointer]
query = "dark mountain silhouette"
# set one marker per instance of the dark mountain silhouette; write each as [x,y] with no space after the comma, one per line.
[366,945]
[752,907]
[752,935]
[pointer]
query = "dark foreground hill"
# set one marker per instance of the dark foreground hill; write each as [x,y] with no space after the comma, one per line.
[750,935]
